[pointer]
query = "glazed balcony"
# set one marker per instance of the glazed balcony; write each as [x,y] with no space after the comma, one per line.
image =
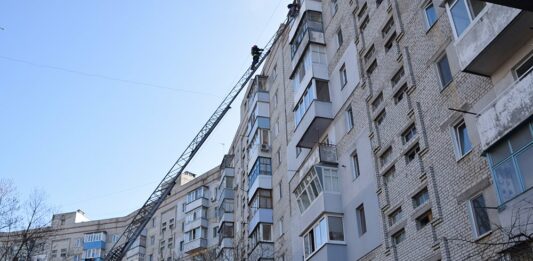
[305,6]
[512,107]
[495,36]
[200,202]
[200,222]
[329,252]
[261,215]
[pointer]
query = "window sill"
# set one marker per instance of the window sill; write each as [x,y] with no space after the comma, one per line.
[460,158]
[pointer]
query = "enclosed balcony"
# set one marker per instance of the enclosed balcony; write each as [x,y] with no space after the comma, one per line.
[312,114]
[226,167]
[310,30]
[197,198]
[260,209]
[94,240]
[305,7]
[257,91]
[318,192]
[225,211]
[260,176]
[512,107]
[495,35]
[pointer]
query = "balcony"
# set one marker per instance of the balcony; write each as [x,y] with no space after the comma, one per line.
[298,49]
[306,5]
[200,202]
[227,172]
[261,215]
[259,122]
[327,201]
[513,106]
[262,251]
[94,245]
[225,217]
[262,181]
[313,124]
[495,36]
[225,193]
[195,245]
[329,252]
[200,222]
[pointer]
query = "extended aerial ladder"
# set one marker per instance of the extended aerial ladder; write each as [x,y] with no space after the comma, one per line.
[146,212]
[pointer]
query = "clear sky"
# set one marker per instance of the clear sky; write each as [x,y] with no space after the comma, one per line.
[98,98]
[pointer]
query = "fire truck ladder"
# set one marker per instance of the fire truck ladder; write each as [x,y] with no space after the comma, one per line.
[146,212]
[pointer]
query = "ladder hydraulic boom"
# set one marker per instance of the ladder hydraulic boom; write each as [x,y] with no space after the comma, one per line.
[146,212]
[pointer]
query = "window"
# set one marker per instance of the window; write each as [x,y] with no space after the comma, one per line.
[369,54]
[395,216]
[93,237]
[431,14]
[336,231]
[262,166]
[387,28]
[196,194]
[334,5]
[54,253]
[278,156]
[420,198]
[63,252]
[377,101]
[311,21]
[445,72]
[181,245]
[361,219]
[343,76]
[424,219]
[462,141]
[386,157]
[76,258]
[215,234]
[152,240]
[183,206]
[398,97]
[311,185]
[262,233]
[480,216]
[380,118]
[409,134]
[390,42]
[355,166]
[298,151]
[378,2]
[275,102]
[397,77]
[511,164]
[78,242]
[364,23]
[524,68]
[412,154]
[372,68]
[389,175]
[398,237]
[339,38]
[261,199]
[115,238]
[363,10]
[280,226]
[328,228]
[462,13]
[280,190]
[349,118]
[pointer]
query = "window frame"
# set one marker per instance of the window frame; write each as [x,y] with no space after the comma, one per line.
[440,74]
[520,64]
[340,38]
[473,217]
[472,20]
[457,141]
[343,76]
[361,220]
[349,119]
[425,8]
[512,157]
[356,171]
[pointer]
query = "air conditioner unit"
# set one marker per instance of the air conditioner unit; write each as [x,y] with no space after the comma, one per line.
[265,147]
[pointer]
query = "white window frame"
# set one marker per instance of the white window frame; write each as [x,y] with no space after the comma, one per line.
[343,76]
[457,143]
[348,114]
[450,5]
[473,218]
[437,69]
[340,38]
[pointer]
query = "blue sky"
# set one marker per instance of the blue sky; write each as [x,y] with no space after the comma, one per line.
[98,98]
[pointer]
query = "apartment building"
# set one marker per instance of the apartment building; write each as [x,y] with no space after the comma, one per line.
[183,228]
[376,130]
[399,130]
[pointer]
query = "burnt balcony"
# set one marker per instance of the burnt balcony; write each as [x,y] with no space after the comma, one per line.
[495,36]
[512,107]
